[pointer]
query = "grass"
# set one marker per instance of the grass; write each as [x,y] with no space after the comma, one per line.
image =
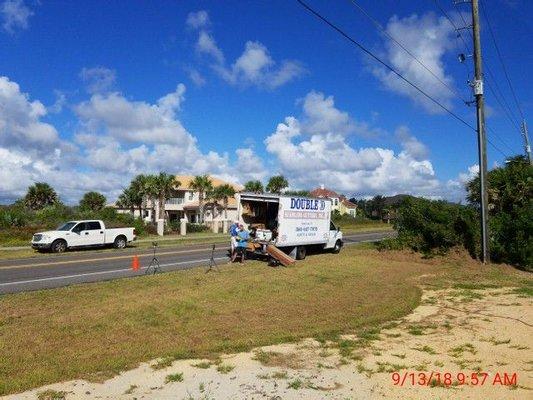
[51,395]
[426,349]
[225,368]
[131,389]
[177,377]
[165,362]
[95,331]
[370,226]
[203,365]
[296,384]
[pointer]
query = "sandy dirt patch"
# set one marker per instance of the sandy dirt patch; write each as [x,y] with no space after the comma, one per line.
[465,333]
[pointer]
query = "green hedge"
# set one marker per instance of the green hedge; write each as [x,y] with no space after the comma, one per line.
[433,227]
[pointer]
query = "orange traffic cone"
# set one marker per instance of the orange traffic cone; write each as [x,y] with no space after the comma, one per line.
[135,263]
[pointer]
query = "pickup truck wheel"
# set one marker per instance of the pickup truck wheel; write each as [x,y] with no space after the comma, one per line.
[301,252]
[59,246]
[120,242]
[338,246]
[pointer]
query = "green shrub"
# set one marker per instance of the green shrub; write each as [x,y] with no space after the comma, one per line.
[196,227]
[12,216]
[433,227]
[510,192]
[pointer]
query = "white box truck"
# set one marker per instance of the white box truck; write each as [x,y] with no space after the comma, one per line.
[291,223]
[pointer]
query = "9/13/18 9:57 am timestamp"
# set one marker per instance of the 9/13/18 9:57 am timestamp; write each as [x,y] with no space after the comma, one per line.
[436,378]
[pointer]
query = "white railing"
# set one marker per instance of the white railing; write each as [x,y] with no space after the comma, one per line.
[175,200]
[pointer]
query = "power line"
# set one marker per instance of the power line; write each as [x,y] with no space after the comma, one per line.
[506,108]
[501,60]
[384,31]
[489,71]
[379,60]
[451,89]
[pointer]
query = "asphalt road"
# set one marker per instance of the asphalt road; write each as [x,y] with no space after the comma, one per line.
[52,271]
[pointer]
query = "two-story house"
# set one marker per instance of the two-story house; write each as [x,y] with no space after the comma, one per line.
[184,203]
[338,202]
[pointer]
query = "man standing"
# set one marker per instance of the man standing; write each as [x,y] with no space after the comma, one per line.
[233,231]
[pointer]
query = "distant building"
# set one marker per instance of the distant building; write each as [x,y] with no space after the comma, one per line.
[338,202]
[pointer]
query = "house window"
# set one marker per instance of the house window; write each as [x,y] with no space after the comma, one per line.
[191,196]
[336,202]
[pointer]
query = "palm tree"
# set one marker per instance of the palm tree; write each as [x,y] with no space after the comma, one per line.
[224,192]
[92,201]
[40,195]
[150,192]
[127,199]
[164,184]
[202,184]
[254,186]
[276,184]
[138,193]
[214,195]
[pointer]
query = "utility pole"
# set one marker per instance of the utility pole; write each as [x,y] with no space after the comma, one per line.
[481,138]
[526,141]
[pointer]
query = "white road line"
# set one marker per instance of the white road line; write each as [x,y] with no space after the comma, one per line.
[103,272]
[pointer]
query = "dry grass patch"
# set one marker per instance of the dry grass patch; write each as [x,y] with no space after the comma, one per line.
[283,360]
[94,331]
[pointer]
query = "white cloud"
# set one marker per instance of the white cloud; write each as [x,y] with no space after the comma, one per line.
[321,115]
[254,67]
[428,38]
[249,165]
[198,19]
[98,79]
[196,77]
[136,121]
[410,144]
[20,119]
[310,154]
[61,100]
[15,15]
[117,138]
[206,45]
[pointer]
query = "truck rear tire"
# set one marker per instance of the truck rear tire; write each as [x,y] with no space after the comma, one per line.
[120,242]
[337,248]
[301,252]
[59,246]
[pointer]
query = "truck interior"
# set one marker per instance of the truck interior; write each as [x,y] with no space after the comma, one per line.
[261,215]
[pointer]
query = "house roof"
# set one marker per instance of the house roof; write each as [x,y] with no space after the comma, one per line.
[348,204]
[323,193]
[186,180]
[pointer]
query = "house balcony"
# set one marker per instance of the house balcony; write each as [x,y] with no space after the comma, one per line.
[174,203]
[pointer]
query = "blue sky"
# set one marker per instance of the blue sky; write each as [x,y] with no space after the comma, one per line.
[93,93]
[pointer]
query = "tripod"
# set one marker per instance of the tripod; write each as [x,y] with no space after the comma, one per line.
[212,263]
[154,266]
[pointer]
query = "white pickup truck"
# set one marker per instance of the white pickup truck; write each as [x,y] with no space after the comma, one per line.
[88,233]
